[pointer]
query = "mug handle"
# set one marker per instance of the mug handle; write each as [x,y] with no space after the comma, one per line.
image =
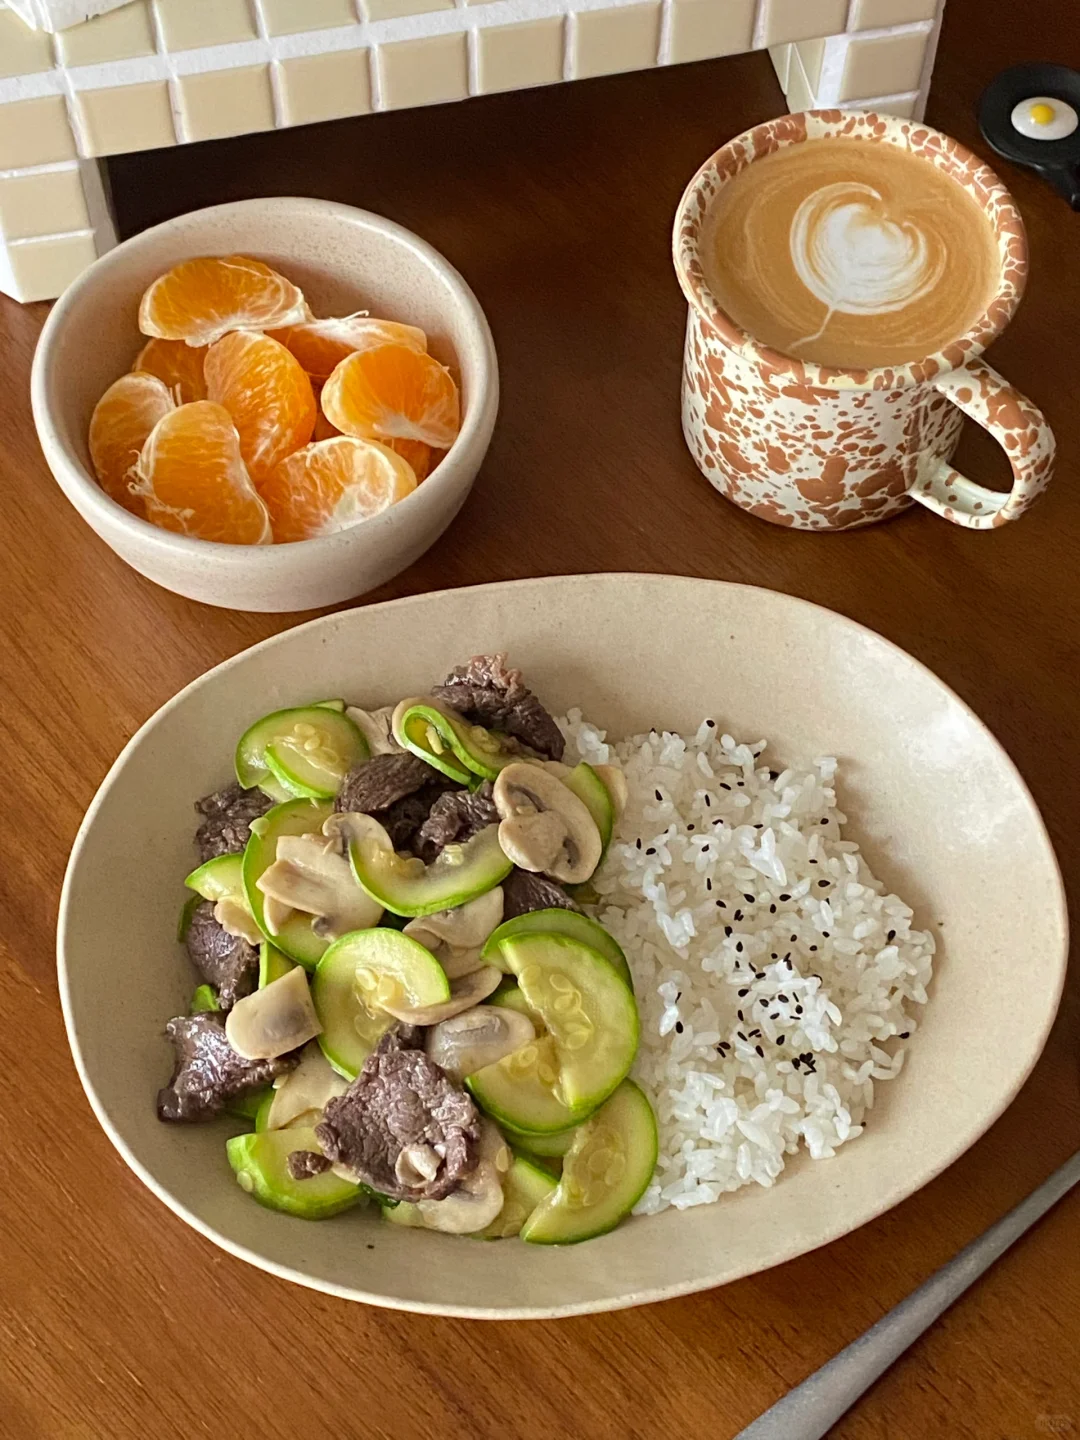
[1018,426]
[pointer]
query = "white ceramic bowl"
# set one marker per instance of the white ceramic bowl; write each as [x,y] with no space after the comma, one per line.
[937,804]
[344,260]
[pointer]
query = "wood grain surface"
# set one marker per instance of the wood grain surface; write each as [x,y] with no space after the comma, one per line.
[115,1319]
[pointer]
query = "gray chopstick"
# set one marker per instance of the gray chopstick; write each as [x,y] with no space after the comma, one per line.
[809,1411]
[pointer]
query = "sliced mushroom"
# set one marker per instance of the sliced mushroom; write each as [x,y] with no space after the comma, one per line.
[464,994]
[274,1020]
[375,726]
[545,827]
[417,1165]
[275,914]
[310,875]
[456,937]
[349,827]
[616,786]
[479,1198]
[477,1037]
[305,1090]
[236,919]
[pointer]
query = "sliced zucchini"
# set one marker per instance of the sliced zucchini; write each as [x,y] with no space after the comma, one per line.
[183,924]
[558,922]
[548,1147]
[313,748]
[605,1173]
[261,1165]
[448,742]
[204,999]
[357,973]
[219,879]
[262,1114]
[246,1107]
[272,964]
[404,1213]
[593,793]
[588,1010]
[519,1091]
[524,1187]
[409,887]
[296,939]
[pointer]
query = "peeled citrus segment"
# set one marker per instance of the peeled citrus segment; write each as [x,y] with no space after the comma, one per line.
[201,300]
[119,426]
[319,345]
[331,485]
[177,365]
[266,392]
[392,393]
[194,481]
[416,453]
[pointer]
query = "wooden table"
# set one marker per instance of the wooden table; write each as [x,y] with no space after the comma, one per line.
[115,1319]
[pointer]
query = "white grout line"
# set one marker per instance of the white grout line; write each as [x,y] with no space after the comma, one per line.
[473,60]
[569,45]
[50,169]
[376,79]
[663,53]
[55,235]
[760,24]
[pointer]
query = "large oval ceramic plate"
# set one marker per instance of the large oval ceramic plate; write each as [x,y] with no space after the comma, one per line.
[936,803]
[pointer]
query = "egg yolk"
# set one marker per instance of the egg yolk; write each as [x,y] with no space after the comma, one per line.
[1042,114]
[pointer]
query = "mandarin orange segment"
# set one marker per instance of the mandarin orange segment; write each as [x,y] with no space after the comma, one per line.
[331,485]
[393,393]
[266,392]
[201,300]
[320,345]
[416,453]
[119,426]
[177,365]
[194,481]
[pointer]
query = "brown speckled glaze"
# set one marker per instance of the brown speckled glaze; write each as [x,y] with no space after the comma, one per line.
[817,448]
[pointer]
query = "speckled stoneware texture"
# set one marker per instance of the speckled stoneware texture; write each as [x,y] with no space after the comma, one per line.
[817,448]
[941,812]
[344,260]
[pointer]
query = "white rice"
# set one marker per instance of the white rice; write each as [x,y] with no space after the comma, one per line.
[775,978]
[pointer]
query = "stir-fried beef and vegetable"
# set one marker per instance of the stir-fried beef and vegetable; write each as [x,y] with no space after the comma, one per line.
[398,988]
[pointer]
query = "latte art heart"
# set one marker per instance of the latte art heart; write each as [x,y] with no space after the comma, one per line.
[856,260]
[849,254]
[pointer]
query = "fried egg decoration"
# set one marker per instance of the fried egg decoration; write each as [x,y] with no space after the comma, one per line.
[1042,118]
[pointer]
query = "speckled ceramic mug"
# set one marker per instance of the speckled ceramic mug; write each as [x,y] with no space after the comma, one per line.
[816,448]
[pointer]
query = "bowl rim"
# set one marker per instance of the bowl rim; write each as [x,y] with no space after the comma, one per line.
[477,420]
[793,1248]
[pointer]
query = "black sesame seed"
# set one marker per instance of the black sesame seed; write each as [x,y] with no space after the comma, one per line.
[754,1032]
[748,898]
[796,1062]
[825,821]
[798,1009]
[780,1039]
[740,1034]
[783,998]
[637,842]
[774,774]
[785,897]
[760,1051]
[658,795]
[776,1016]
[711,724]
[738,946]
[678,1027]
[794,938]
[738,915]
[774,955]
[823,883]
[759,975]
[724,786]
[721,905]
[727,929]
[813,862]
[813,947]
[740,1014]
[744,993]
[651,850]
[759,827]
[905,1035]
[772,909]
[689,827]
[708,882]
[740,782]
[825,934]
[891,935]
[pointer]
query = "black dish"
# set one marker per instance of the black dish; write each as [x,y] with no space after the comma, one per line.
[1057,161]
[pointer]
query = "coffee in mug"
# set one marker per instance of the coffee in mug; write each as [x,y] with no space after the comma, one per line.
[848,253]
[844,273]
